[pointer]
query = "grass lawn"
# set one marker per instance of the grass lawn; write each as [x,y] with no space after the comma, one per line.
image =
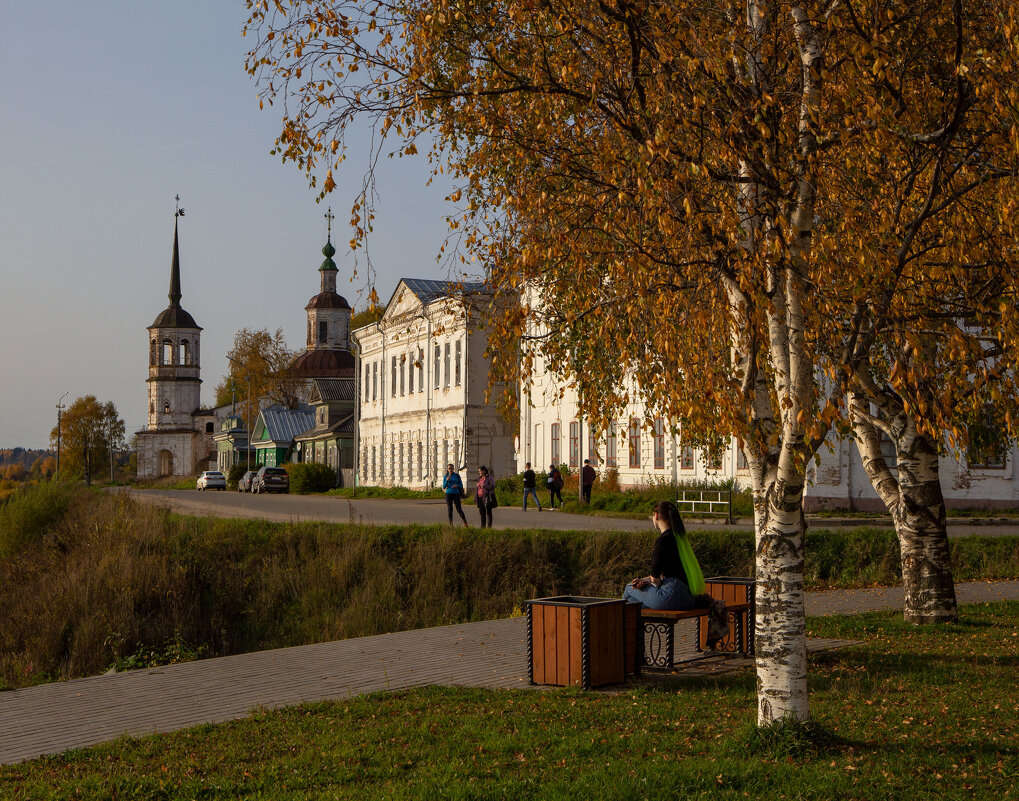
[913,713]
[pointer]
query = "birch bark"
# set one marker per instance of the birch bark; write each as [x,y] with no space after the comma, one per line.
[915,502]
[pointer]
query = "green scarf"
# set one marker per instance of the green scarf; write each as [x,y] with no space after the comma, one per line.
[694,576]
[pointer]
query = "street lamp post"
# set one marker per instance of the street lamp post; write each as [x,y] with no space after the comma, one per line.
[60,409]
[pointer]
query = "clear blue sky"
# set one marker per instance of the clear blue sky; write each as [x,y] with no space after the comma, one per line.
[110,109]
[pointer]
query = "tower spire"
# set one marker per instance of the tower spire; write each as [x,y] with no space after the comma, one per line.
[174,293]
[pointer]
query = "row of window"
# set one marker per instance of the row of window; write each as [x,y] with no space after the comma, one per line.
[165,355]
[633,435]
[406,461]
[408,370]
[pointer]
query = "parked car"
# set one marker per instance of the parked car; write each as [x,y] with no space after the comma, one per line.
[271,479]
[211,479]
[246,482]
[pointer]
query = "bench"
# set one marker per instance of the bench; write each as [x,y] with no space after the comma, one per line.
[660,630]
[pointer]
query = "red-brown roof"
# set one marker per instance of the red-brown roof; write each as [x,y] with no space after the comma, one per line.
[327,300]
[325,364]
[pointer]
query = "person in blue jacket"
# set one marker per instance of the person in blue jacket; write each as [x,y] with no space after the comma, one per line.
[454,488]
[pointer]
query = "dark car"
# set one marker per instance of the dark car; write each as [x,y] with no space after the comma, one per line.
[246,482]
[271,479]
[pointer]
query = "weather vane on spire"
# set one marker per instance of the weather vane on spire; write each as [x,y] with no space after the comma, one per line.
[180,211]
[329,222]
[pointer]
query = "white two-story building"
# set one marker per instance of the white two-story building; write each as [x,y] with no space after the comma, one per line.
[422,380]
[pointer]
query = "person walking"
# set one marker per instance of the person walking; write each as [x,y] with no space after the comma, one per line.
[587,479]
[484,497]
[454,489]
[530,486]
[554,482]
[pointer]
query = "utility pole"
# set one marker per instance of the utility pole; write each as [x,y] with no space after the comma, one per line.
[60,409]
[109,439]
[247,424]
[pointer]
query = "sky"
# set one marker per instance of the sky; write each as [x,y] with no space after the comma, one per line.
[110,110]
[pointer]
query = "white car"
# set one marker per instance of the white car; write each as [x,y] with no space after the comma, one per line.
[211,479]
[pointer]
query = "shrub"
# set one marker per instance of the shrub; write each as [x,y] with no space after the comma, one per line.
[236,474]
[27,514]
[308,477]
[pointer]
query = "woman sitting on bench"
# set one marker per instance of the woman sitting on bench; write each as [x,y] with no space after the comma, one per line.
[676,578]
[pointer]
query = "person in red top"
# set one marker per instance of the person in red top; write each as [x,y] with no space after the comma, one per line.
[587,479]
[485,496]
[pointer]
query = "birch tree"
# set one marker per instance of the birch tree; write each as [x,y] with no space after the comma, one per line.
[658,175]
[932,340]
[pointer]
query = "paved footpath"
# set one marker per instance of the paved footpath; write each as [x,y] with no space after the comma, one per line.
[63,715]
[379,511]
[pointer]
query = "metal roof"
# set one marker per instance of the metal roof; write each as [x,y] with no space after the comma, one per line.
[333,389]
[341,428]
[282,425]
[428,290]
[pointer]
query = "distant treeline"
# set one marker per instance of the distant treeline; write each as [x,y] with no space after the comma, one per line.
[17,464]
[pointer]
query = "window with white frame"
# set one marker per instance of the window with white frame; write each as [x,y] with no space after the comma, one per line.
[659,444]
[445,380]
[611,459]
[574,444]
[421,369]
[403,376]
[436,366]
[686,458]
[634,442]
[392,391]
[459,356]
[592,447]
[555,440]
[375,380]
[988,444]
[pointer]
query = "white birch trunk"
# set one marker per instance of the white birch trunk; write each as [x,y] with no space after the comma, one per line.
[916,504]
[920,523]
[780,635]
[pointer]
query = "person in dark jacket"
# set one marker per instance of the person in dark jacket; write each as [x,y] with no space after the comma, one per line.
[587,478]
[554,482]
[484,496]
[530,486]
[675,578]
[454,488]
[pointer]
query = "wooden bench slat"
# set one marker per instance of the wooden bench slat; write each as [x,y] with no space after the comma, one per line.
[683,614]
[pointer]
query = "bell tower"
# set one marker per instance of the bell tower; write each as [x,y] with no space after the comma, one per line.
[174,385]
[328,312]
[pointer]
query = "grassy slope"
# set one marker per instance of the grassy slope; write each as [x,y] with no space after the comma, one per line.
[914,713]
[92,579]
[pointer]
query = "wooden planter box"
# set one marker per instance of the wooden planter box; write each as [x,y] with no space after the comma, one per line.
[734,590]
[582,642]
